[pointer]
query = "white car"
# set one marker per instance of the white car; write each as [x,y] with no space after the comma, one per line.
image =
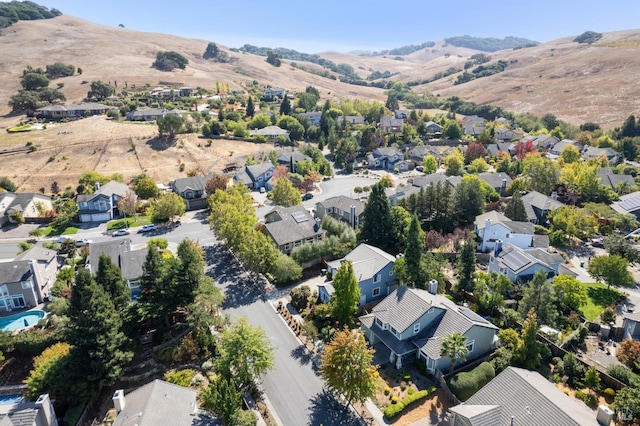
[83,242]
[147,228]
[120,232]
[61,239]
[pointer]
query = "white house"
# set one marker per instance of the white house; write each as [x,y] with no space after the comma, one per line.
[493,226]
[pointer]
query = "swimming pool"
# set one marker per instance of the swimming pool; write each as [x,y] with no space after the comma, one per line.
[21,320]
[10,399]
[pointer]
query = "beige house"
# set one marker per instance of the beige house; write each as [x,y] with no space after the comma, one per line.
[32,206]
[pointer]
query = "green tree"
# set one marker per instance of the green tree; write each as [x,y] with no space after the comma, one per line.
[452,130]
[347,366]
[25,100]
[223,399]
[273,58]
[592,379]
[296,130]
[109,277]
[211,51]
[89,181]
[99,351]
[251,109]
[34,81]
[7,184]
[528,352]
[414,250]
[168,206]
[168,61]
[608,316]
[454,346]
[155,283]
[100,90]
[285,194]
[628,129]
[392,102]
[549,121]
[169,125]
[570,154]
[285,106]
[468,200]
[259,121]
[454,163]
[189,274]
[627,402]
[573,222]
[479,165]
[429,164]
[612,269]
[347,294]
[59,70]
[145,187]
[570,292]
[245,353]
[540,173]
[490,290]
[514,209]
[467,265]
[47,370]
[376,223]
[539,296]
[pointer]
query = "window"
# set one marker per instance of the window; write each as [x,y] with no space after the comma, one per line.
[390,272]
[394,331]
[376,292]
[508,235]
[470,345]
[376,278]
[416,328]
[378,322]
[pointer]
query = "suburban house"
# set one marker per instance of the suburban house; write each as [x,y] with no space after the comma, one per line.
[192,190]
[628,204]
[538,206]
[391,124]
[274,92]
[420,183]
[402,114]
[58,111]
[493,226]
[158,403]
[519,265]
[290,227]
[314,117]
[387,158]
[271,133]
[433,127]
[32,206]
[129,261]
[102,205]
[493,149]
[558,147]
[152,114]
[617,183]
[417,153]
[26,281]
[519,397]
[372,267]
[351,119]
[498,181]
[473,125]
[503,134]
[255,176]
[412,323]
[290,159]
[631,325]
[38,413]
[593,152]
[342,208]
[542,141]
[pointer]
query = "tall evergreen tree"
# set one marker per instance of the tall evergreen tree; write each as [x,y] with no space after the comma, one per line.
[347,293]
[109,277]
[285,107]
[99,351]
[469,200]
[376,222]
[251,109]
[539,296]
[528,351]
[515,210]
[467,265]
[154,283]
[629,128]
[413,252]
[188,275]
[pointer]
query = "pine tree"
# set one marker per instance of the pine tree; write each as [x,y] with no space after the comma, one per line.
[469,200]
[109,277]
[188,273]
[414,250]
[154,283]
[347,294]
[99,351]
[251,109]
[376,222]
[285,107]
[223,399]
[467,265]
[528,350]
[515,210]
[539,296]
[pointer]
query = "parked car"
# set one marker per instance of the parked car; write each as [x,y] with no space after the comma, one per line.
[262,190]
[83,242]
[120,232]
[147,228]
[61,239]
[307,196]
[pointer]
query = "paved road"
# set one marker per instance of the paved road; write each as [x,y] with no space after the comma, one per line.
[292,386]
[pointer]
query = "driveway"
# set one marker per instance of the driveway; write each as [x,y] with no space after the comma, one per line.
[295,391]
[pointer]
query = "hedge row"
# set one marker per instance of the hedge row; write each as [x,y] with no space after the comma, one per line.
[394,410]
[463,385]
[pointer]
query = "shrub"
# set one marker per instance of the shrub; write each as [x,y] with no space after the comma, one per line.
[625,375]
[300,297]
[590,400]
[394,399]
[395,409]
[465,384]
[180,377]
[411,391]
[387,390]
[609,393]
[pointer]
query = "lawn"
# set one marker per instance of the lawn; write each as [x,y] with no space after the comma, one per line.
[599,298]
[128,222]
[49,231]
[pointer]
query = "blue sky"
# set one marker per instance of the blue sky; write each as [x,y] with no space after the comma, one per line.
[314,26]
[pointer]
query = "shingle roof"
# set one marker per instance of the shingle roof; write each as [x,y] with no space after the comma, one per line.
[367,261]
[288,229]
[294,156]
[270,131]
[496,180]
[256,170]
[131,263]
[403,307]
[344,203]
[612,180]
[516,259]
[89,106]
[108,189]
[628,203]
[13,272]
[158,403]
[526,228]
[529,399]
[539,201]
[195,183]
[388,151]
[633,316]
[38,253]
[422,151]
[24,413]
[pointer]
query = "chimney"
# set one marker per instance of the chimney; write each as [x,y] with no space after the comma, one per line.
[353,217]
[118,400]
[503,187]
[498,248]
[97,186]
[433,286]
[554,195]
[46,409]
[317,225]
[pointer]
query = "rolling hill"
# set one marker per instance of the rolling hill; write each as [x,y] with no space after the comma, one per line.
[576,82]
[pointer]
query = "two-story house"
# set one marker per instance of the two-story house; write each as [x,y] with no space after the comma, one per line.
[290,159]
[417,153]
[493,226]
[102,205]
[31,206]
[290,227]
[555,151]
[314,117]
[388,158]
[124,257]
[519,265]
[255,176]
[498,181]
[192,190]
[27,413]
[412,323]
[342,208]
[594,152]
[274,93]
[503,134]
[433,127]
[391,124]
[619,183]
[24,283]
[537,206]
[373,269]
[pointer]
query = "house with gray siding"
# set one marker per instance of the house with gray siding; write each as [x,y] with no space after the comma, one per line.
[27,413]
[343,208]
[102,205]
[25,283]
[192,190]
[124,257]
[537,206]
[373,269]
[519,265]
[255,176]
[412,322]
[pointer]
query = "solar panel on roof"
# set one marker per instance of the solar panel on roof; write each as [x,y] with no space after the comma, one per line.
[299,217]
[515,260]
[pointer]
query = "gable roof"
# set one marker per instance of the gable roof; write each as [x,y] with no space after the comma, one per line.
[386,121]
[158,403]
[527,398]
[16,271]
[343,203]
[109,189]
[422,151]
[256,170]
[22,199]
[632,316]
[496,180]
[294,156]
[518,260]
[539,201]
[612,180]
[292,224]
[195,183]
[88,106]
[270,131]
[403,307]
[119,251]
[386,151]
[38,253]
[526,228]
[627,204]
[594,152]
[367,261]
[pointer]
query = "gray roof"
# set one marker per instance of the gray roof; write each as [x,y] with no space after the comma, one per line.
[256,170]
[612,180]
[560,146]
[286,229]
[38,253]
[632,316]
[386,121]
[270,131]
[108,190]
[480,415]
[119,250]
[88,106]
[541,241]
[21,414]
[518,260]
[131,263]
[195,183]
[295,156]
[526,228]
[594,152]
[629,203]
[387,151]
[496,180]
[13,272]
[147,112]
[367,261]
[242,176]
[159,403]
[539,201]
[528,398]
[422,151]
[403,307]
[344,203]
[23,198]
